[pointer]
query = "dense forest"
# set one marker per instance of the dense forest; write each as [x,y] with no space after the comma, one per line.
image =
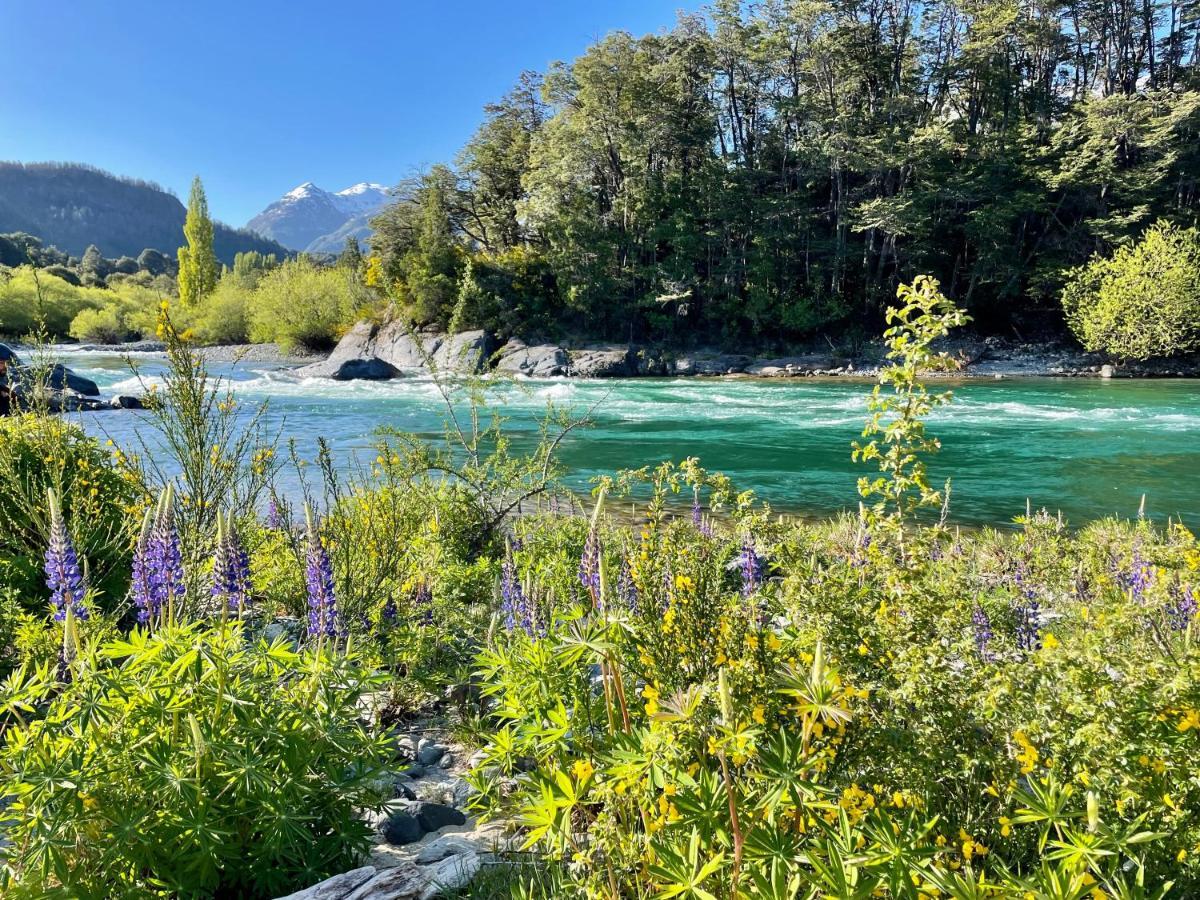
[767,172]
[72,207]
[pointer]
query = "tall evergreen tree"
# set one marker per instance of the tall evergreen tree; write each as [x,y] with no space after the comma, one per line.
[198,268]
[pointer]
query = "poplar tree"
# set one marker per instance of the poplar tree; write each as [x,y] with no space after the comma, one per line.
[197,261]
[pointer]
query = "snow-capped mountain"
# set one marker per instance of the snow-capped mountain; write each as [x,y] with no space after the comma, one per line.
[313,219]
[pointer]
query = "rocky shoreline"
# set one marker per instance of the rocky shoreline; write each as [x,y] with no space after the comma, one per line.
[376,352]
[55,388]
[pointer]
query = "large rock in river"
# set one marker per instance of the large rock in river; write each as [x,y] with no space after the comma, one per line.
[369,350]
[542,361]
[603,362]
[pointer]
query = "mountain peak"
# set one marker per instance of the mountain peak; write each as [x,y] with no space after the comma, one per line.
[305,190]
[309,217]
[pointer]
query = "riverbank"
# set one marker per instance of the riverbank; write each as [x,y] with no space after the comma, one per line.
[374,352]
[363,355]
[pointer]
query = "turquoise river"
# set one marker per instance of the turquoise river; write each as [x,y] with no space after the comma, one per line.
[1085,447]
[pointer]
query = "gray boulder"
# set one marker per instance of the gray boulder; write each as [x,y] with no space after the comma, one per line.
[8,355]
[602,362]
[367,348]
[429,752]
[124,401]
[467,351]
[541,361]
[337,887]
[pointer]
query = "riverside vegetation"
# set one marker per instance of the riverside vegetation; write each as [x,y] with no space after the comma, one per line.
[697,700]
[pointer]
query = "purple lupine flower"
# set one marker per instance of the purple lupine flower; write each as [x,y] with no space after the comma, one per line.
[390,612]
[589,566]
[697,515]
[983,633]
[512,597]
[231,567]
[1140,577]
[141,586]
[164,556]
[318,577]
[277,516]
[64,576]
[751,569]
[1029,636]
[1183,609]
[626,589]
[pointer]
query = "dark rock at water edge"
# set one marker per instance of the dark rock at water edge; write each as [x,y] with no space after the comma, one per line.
[433,816]
[402,828]
[124,401]
[363,370]
[61,378]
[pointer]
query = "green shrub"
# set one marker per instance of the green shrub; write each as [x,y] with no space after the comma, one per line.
[38,453]
[1144,301]
[102,326]
[223,317]
[31,301]
[191,762]
[300,304]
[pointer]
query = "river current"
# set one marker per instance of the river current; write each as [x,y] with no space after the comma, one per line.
[1085,447]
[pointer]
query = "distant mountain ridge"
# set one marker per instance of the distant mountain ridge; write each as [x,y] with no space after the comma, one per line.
[315,220]
[73,205]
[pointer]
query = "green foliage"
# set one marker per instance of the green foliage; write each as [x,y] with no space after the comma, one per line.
[764,171]
[302,305]
[223,317]
[418,243]
[33,300]
[211,456]
[192,761]
[1142,302]
[923,317]
[197,260]
[39,453]
[856,725]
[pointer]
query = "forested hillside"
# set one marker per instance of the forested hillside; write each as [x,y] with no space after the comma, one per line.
[73,207]
[776,170]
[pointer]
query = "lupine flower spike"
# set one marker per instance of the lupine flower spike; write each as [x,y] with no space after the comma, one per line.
[166,559]
[231,569]
[141,586]
[512,597]
[983,633]
[64,576]
[318,573]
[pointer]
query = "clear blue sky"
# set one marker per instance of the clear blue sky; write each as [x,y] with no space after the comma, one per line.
[258,96]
